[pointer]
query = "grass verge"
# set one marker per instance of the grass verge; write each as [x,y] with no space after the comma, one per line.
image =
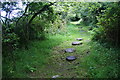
[24,62]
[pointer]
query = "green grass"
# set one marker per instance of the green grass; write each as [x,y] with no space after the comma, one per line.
[27,61]
[102,62]
[57,65]
[46,58]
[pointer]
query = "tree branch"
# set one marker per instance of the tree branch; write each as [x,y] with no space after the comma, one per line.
[40,11]
[6,18]
[23,13]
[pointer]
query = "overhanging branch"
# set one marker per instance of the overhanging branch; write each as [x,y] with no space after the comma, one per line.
[23,13]
[40,11]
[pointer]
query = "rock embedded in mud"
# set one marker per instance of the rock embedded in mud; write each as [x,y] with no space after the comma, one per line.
[76,43]
[70,58]
[69,50]
[56,76]
[79,39]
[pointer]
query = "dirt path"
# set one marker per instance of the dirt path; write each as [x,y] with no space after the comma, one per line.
[58,65]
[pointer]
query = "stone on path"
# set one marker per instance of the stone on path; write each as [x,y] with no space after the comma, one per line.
[76,43]
[79,39]
[70,50]
[83,31]
[70,58]
[55,76]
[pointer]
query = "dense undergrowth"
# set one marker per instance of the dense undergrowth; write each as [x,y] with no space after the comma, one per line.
[28,40]
[27,61]
[101,62]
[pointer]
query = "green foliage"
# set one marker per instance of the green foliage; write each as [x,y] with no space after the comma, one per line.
[89,12]
[98,33]
[30,69]
[17,34]
[36,7]
[86,11]
[99,64]
[102,62]
[109,30]
[26,62]
[10,40]
[58,26]
[21,32]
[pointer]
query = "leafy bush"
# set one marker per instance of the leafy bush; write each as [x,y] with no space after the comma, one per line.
[10,40]
[57,26]
[109,30]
